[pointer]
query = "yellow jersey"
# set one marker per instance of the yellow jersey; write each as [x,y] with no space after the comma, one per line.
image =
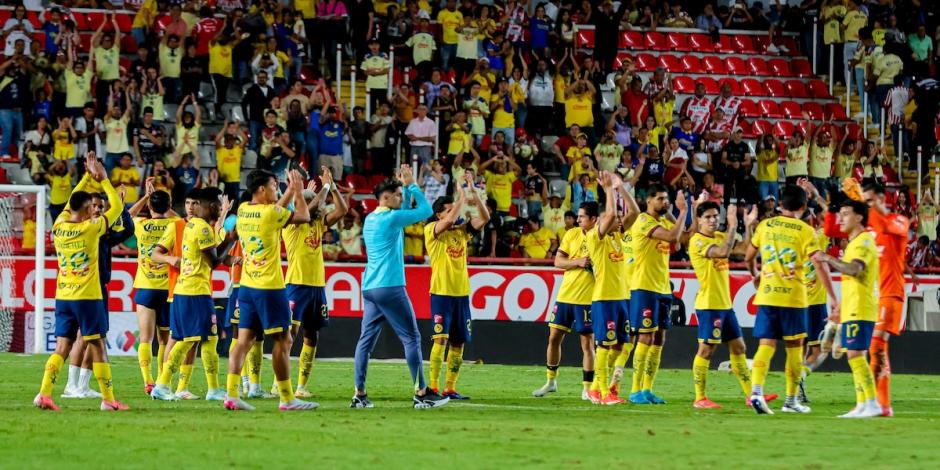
[629,260]
[106,62]
[860,294]
[60,188]
[499,187]
[229,163]
[220,59]
[651,271]
[502,118]
[886,67]
[116,140]
[832,29]
[537,243]
[784,244]
[77,88]
[195,273]
[578,110]
[607,261]
[376,61]
[554,218]
[259,232]
[577,285]
[820,165]
[815,293]
[414,239]
[767,165]
[130,178]
[305,253]
[149,233]
[449,21]
[713,273]
[170,61]
[854,20]
[448,253]
[798,160]
[76,246]
[575,154]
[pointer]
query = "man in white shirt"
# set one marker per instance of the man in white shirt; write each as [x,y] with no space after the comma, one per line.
[422,133]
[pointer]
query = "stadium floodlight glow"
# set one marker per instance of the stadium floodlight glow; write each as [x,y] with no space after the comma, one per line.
[40,270]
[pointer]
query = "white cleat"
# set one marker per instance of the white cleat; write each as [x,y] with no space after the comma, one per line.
[795,407]
[70,392]
[215,394]
[550,387]
[773,49]
[89,393]
[302,392]
[584,395]
[854,412]
[236,404]
[186,395]
[870,410]
[162,392]
[298,405]
[759,404]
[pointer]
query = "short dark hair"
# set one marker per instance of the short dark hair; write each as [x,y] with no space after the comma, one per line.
[160,201]
[258,178]
[387,186]
[148,110]
[591,208]
[194,194]
[874,187]
[655,189]
[792,198]
[210,194]
[78,199]
[571,214]
[857,207]
[536,219]
[705,207]
[440,204]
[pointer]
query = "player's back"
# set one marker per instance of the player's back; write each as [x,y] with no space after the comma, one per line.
[891,233]
[785,244]
[76,246]
[259,232]
[303,243]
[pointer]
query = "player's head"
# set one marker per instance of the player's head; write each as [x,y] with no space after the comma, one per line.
[853,215]
[442,205]
[262,184]
[874,194]
[708,213]
[189,204]
[793,198]
[210,203]
[388,193]
[82,204]
[159,202]
[657,199]
[587,215]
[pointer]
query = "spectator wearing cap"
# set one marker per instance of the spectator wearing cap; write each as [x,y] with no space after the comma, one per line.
[422,135]
[737,159]
[332,129]
[538,242]
[504,108]
[376,66]
[422,46]
[499,173]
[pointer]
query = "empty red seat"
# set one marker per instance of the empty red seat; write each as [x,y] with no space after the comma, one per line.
[699,42]
[819,89]
[760,43]
[656,41]
[775,88]
[797,89]
[584,39]
[128,44]
[376,180]
[761,127]
[735,86]
[683,84]
[736,66]
[769,108]
[837,111]
[813,110]
[711,86]
[359,184]
[748,108]
[33,17]
[854,131]
[725,45]
[801,67]
[678,42]
[81,22]
[780,67]
[95,19]
[691,64]
[125,22]
[743,44]
[646,62]
[791,109]
[631,40]
[805,127]
[714,65]
[670,63]
[5,15]
[790,44]
[758,66]
[369,205]
[783,129]
[752,87]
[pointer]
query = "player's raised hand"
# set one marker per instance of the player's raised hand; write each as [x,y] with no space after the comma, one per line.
[326,175]
[615,180]
[750,218]
[149,188]
[406,175]
[226,207]
[681,203]
[122,190]
[807,186]
[296,180]
[732,215]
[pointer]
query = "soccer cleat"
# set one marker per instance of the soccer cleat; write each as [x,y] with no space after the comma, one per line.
[162,392]
[870,410]
[887,412]
[430,399]
[302,392]
[652,398]
[45,403]
[759,404]
[585,394]
[113,406]
[256,392]
[706,404]
[801,396]
[853,413]
[361,401]
[298,405]
[89,393]
[639,398]
[71,392]
[453,395]
[612,399]
[215,394]
[550,387]
[186,395]
[594,396]
[795,407]
[236,404]
[768,398]
[148,388]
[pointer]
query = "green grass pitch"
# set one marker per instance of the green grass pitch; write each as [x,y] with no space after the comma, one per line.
[503,426]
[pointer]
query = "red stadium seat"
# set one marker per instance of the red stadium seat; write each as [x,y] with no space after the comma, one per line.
[775,88]
[748,108]
[801,68]
[95,19]
[791,109]
[375,180]
[736,66]
[854,131]
[735,86]
[758,66]
[790,44]
[656,41]
[711,86]
[621,59]
[39,36]
[584,39]
[85,39]
[125,63]
[780,68]
[714,65]
[631,40]
[760,43]
[33,18]
[692,64]
[837,111]
[752,87]
[359,184]
[814,110]
[783,129]
[670,63]
[769,109]
[725,45]
[761,127]
[128,44]
[369,205]
[646,62]
[125,22]
[81,22]
[678,42]
[806,128]
[699,42]
[819,89]
[5,15]
[683,84]
[744,45]
[797,89]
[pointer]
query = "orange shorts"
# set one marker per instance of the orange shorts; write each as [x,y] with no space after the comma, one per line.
[891,315]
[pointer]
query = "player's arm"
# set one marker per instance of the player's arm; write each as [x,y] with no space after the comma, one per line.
[404,217]
[301,213]
[632,208]
[450,217]
[854,268]
[216,253]
[340,206]
[675,234]
[115,204]
[606,220]
[483,216]
[563,261]
[142,202]
[161,254]
[724,250]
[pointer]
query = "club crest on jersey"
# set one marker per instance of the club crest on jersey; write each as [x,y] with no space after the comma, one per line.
[716,333]
[647,322]
[611,335]
[438,328]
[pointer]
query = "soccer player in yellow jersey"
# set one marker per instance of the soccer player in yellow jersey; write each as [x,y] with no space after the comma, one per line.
[817,313]
[192,314]
[858,311]
[609,315]
[151,283]
[572,311]
[79,303]
[446,240]
[784,243]
[651,296]
[306,275]
[262,298]
[709,250]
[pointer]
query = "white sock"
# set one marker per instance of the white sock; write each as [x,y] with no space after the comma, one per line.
[73,377]
[252,387]
[84,379]
[757,390]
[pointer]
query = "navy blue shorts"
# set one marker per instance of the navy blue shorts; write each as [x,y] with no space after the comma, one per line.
[816,318]
[264,310]
[231,309]
[156,300]
[451,317]
[192,318]
[786,323]
[89,316]
[610,323]
[571,317]
[856,335]
[717,326]
[649,311]
[308,306]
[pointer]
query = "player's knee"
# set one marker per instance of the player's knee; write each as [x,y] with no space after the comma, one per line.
[705,351]
[311,337]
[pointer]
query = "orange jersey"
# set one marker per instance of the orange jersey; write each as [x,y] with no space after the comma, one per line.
[891,237]
[236,269]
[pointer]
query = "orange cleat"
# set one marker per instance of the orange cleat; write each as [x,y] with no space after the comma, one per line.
[887,412]
[45,403]
[706,404]
[612,399]
[595,396]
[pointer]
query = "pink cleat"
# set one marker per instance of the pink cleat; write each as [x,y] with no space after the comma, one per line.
[706,404]
[45,403]
[113,406]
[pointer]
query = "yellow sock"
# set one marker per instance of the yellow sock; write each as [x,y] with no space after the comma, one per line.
[172,366]
[454,361]
[792,369]
[436,361]
[210,361]
[186,373]
[864,377]
[600,371]
[102,372]
[231,346]
[285,390]
[144,357]
[739,367]
[307,355]
[161,352]
[49,376]
[639,365]
[232,381]
[254,362]
[760,368]
[624,356]
[700,376]
[652,366]
[551,371]
[612,355]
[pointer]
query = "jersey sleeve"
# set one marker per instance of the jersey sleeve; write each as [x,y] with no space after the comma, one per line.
[205,238]
[279,216]
[565,245]
[758,235]
[429,233]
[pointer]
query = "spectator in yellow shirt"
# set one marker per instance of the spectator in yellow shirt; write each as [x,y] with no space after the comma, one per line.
[499,173]
[128,176]
[539,242]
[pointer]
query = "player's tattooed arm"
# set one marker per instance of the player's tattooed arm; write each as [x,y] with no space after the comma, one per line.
[852,268]
[301,213]
[606,221]
[162,255]
[724,250]
[483,216]
[340,206]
